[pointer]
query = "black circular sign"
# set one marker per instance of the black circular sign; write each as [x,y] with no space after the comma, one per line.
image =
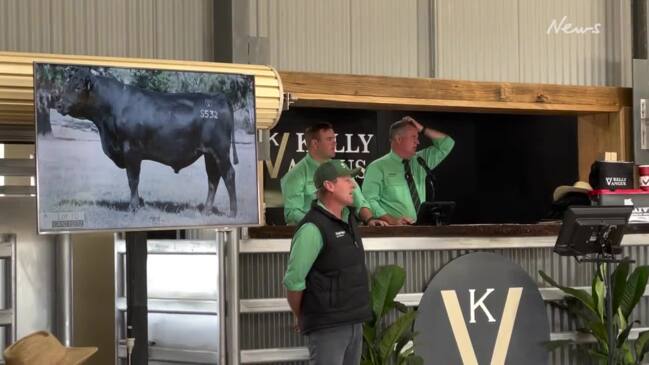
[482,309]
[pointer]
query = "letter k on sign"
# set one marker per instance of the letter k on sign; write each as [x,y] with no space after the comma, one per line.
[461,333]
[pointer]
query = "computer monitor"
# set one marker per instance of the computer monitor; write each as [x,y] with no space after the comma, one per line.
[591,230]
[435,213]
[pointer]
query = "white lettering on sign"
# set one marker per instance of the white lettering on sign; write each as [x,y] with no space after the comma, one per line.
[301,142]
[461,332]
[209,114]
[480,304]
[569,28]
[366,141]
[351,143]
[616,181]
[273,140]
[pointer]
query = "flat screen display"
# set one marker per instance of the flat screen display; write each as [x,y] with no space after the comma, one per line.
[136,149]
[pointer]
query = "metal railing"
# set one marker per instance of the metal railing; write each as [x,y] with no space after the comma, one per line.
[233,247]
[8,295]
[182,306]
[17,167]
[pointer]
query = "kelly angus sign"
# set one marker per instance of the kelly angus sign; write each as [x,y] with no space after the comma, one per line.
[482,309]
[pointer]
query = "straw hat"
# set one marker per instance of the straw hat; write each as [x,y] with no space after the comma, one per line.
[578,187]
[44,349]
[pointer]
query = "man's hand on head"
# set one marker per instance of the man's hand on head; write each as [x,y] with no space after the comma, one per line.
[414,123]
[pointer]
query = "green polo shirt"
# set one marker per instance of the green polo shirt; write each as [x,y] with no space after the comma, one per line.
[385,186]
[299,191]
[305,248]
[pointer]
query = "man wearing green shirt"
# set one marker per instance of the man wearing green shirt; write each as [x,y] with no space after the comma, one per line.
[326,277]
[297,186]
[395,184]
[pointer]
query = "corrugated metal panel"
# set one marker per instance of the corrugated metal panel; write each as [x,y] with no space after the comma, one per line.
[169,29]
[477,40]
[17,151]
[549,55]
[512,40]
[384,37]
[619,43]
[342,36]
[304,35]
[2,155]
[261,277]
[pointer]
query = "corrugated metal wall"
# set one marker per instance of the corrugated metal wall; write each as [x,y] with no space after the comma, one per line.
[512,40]
[497,40]
[488,40]
[476,40]
[381,37]
[169,29]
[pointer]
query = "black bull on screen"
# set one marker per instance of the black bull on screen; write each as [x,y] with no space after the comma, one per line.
[174,129]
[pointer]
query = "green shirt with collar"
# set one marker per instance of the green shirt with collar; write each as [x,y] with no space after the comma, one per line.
[305,247]
[299,191]
[385,186]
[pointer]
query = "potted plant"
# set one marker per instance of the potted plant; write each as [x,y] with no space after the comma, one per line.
[389,344]
[590,312]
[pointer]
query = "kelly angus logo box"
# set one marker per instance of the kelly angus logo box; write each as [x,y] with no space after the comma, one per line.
[610,175]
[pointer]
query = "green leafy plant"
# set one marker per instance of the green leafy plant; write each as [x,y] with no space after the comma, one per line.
[589,310]
[389,344]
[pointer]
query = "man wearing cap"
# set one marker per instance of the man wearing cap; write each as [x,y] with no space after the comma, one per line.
[395,184]
[297,186]
[326,277]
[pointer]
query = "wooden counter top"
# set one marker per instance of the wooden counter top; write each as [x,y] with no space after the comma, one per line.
[461,230]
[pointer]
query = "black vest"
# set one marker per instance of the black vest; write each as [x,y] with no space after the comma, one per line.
[337,290]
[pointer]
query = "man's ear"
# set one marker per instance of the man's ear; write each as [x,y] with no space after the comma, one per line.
[328,185]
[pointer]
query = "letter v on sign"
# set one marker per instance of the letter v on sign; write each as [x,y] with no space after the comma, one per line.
[273,167]
[461,333]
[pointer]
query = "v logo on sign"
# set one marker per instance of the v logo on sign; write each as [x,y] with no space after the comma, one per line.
[273,167]
[609,180]
[461,333]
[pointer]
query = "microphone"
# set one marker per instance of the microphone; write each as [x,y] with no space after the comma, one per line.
[422,162]
[430,179]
